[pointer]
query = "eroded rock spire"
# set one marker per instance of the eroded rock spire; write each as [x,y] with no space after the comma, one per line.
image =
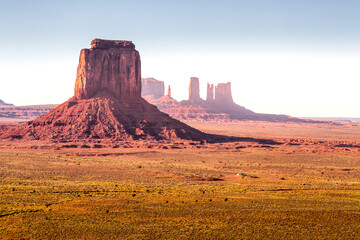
[210,92]
[169,91]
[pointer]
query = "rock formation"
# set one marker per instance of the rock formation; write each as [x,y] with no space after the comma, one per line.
[169,91]
[166,102]
[216,108]
[111,67]
[194,89]
[210,92]
[223,93]
[107,104]
[152,87]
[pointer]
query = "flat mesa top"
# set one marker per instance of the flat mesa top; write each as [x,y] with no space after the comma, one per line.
[106,44]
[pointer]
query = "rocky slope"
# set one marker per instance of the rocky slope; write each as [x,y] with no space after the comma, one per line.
[102,117]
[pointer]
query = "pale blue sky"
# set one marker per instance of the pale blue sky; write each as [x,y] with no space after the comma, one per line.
[291,57]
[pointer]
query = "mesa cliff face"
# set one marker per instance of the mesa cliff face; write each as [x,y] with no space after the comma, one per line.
[152,88]
[108,66]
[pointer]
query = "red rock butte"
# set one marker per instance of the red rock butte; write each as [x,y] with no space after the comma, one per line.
[109,66]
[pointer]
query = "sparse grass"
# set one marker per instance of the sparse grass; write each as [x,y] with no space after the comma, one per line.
[301,192]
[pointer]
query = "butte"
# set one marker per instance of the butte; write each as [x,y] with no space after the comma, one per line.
[107,103]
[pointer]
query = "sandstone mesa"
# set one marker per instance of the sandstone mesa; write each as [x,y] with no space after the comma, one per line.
[152,88]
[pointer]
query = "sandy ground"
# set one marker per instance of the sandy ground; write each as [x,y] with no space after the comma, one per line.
[305,187]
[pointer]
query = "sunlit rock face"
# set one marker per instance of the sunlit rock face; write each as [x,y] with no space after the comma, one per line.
[112,67]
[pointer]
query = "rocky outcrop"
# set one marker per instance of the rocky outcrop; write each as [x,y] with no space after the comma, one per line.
[210,92]
[223,93]
[111,67]
[194,89]
[152,87]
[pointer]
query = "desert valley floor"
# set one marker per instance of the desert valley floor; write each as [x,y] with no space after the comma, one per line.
[305,184]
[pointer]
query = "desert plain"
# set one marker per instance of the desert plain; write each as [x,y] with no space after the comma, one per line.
[303,184]
[180,120]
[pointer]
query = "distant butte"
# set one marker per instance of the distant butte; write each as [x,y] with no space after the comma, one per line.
[152,88]
[194,89]
[223,93]
[109,67]
[218,106]
[107,103]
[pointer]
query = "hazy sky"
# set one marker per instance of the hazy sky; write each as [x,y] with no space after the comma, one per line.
[295,57]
